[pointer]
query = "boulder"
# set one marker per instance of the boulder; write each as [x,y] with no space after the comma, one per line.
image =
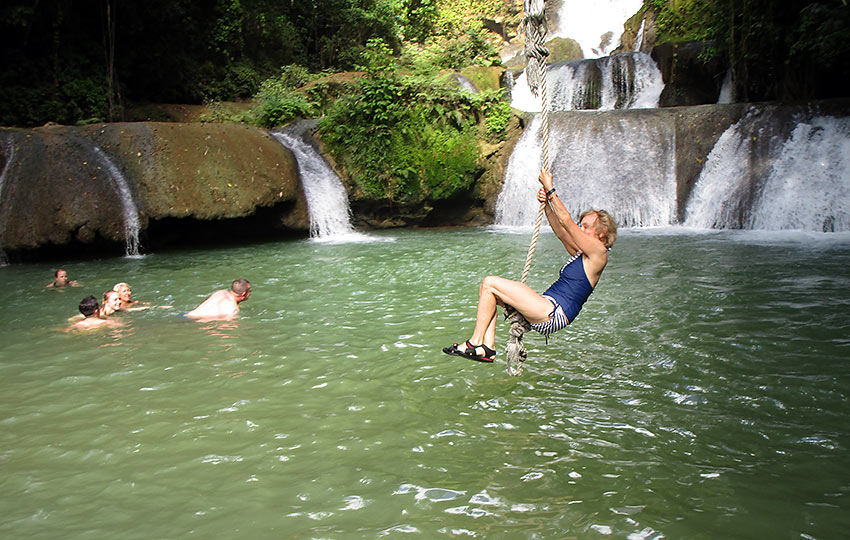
[689,77]
[58,189]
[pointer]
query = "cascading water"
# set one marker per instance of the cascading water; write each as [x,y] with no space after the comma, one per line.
[797,182]
[327,200]
[128,206]
[621,162]
[621,81]
[639,37]
[595,24]
[10,157]
[726,89]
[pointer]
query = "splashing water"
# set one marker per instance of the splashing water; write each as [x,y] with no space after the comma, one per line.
[726,89]
[639,37]
[131,213]
[10,157]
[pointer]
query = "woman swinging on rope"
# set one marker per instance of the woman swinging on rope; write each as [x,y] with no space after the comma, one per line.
[587,242]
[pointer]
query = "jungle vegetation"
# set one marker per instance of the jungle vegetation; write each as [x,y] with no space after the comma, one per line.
[79,61]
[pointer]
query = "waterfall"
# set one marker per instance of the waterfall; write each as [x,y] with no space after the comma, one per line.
[639,37]
[723,184]
[621,162]
[798,182]
[466,85]
[620,81]
[595,24]
[10,157]
[128,207]
[327,200]
[726,89]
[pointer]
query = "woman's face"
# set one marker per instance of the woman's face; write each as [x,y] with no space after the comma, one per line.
[124,293]
[588,225]
[112,303]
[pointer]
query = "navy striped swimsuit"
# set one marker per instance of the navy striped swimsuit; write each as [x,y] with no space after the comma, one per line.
[568,294]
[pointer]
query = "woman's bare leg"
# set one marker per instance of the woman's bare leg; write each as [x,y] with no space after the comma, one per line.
[498,291]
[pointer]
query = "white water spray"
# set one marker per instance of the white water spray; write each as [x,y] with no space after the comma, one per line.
[129,210]
[726,89]
[808,187]
[805,186]
[597,25]
[327,200]
[621,81]
[10,157]
[621,162]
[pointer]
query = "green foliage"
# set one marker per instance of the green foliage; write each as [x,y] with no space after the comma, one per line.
[470,48]
[498,115]
[684,20]
[457,16]
[376,56]
[278,102]
[822,34]
[448,161]
[415,140]
[420,18]
[788,50]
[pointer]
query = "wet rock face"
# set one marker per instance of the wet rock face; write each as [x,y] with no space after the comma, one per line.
[689,79]
[57,190]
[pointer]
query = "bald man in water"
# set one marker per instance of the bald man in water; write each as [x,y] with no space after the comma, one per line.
[223,304]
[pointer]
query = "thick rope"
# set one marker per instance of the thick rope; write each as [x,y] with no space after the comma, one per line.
[534,24]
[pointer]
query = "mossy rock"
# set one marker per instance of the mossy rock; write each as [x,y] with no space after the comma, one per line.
[484,78]
[560,50]
[563,50]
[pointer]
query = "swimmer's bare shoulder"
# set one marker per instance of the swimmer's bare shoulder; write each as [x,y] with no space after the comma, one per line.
[91,323]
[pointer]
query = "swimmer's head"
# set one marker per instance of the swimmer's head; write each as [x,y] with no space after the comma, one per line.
[606,227]
[241,288]
[88,306]
[124,291]
[111,303]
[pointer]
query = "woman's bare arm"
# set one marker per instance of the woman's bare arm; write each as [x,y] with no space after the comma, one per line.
[556,225]
[590,245]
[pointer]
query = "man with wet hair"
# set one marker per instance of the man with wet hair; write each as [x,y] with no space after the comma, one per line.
[91,315]
[223,304]
[60,279]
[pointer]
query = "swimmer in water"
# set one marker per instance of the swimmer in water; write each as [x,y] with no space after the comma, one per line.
[222,304]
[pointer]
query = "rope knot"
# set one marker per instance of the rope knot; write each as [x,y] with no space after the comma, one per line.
[515,349]
[535,28]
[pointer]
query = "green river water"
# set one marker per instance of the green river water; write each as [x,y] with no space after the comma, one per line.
[703,392]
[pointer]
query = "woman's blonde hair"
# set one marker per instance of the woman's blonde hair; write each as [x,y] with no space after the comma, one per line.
[606,227]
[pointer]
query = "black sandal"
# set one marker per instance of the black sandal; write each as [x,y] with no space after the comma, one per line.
[453,350]
[488,355]
[469,352]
